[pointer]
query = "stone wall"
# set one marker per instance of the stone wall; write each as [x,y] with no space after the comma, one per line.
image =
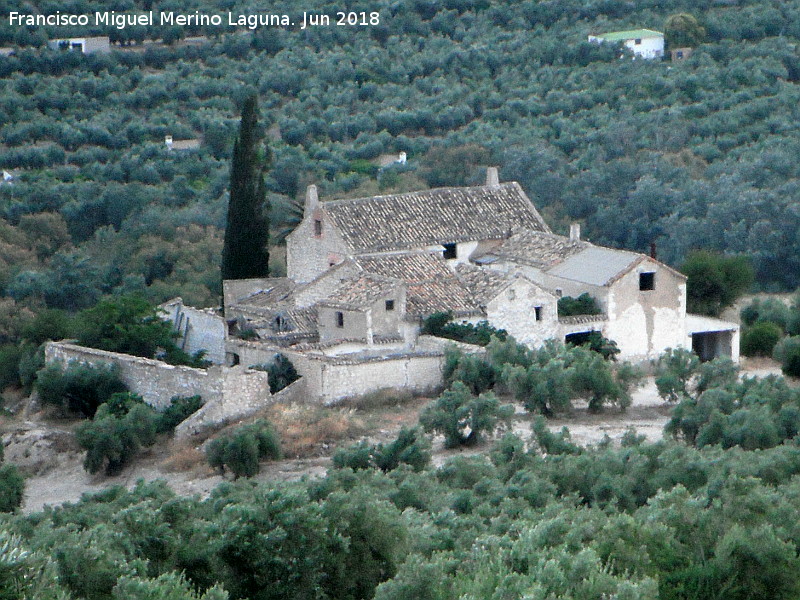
[332,379]
[227,392]
[199,329]
[514,310]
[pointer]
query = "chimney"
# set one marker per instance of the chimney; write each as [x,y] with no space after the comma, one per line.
[653,253]
[312,201]
[168,141]
[492,178]
[575,232]
[402,158]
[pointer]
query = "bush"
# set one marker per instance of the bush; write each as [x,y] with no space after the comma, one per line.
[241,450]
[791,364]
[715,281]
[120,428]
[281,373]
[439,324]
[411,447]
[464,419]
[12,488]
[178,410]
[582,305]
[760,339]
[80,388]
[787,352]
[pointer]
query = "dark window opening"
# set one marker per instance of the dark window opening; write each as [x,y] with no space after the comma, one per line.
[339,319]
[579,339]
[389,305]
[317,227]
[538,312]
[637,41]
[450,251]
[679,54]
[559,292]
[647,281]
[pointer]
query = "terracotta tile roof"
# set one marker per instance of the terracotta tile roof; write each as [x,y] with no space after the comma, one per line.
[361,292]
[483,284]
[272,291]
[440,296]
[432,284]
[411,267]
[535,248]
[444,215]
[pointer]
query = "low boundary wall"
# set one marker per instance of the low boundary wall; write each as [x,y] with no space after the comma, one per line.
[227,392]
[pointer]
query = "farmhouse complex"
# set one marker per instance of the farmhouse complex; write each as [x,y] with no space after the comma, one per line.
[363,274]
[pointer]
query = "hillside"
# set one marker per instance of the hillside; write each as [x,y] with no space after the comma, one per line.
[693,154]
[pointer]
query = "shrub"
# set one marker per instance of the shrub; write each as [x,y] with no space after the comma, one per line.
[769,309]
[582,305]
[464,419]
[12,488]
[760,339]
[791,364]
[715,281]
[411,447]
[120,428]
[80,388]
[439,324]
[180,407]
[241,450]
[787,352]
[281,373]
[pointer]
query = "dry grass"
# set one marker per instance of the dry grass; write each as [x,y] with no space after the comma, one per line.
[378,399]
[306,431]
[184,458]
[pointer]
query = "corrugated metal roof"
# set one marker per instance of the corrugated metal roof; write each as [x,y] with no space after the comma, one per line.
[595,265]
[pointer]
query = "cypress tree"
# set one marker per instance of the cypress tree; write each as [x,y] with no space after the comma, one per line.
[245,252]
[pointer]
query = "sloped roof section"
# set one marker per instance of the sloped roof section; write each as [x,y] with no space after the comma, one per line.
[438,216]
[631,34]
[361,292]
[411,267]
[483,284]
[596,265]
[535,248]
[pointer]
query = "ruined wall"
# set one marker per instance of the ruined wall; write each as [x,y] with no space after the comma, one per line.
[155,381]
[226,392]
[199,330]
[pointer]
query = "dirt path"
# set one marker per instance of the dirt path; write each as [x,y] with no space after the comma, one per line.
[50,452]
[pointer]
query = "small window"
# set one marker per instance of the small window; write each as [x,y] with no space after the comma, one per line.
[679,54]
[559,292]
[512,294]
[450,251]
[637,41]
[647,281]
[340,319]
[537,310]
[390,305]
[317,227]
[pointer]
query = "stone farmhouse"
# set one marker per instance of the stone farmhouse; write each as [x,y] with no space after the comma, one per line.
[362,274]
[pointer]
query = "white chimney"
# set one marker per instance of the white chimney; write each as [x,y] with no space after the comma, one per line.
[492,178]
[168,141]
[312,200]
[574,232]
[402,158]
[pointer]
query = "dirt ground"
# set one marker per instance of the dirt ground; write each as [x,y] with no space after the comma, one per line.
[46,451]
